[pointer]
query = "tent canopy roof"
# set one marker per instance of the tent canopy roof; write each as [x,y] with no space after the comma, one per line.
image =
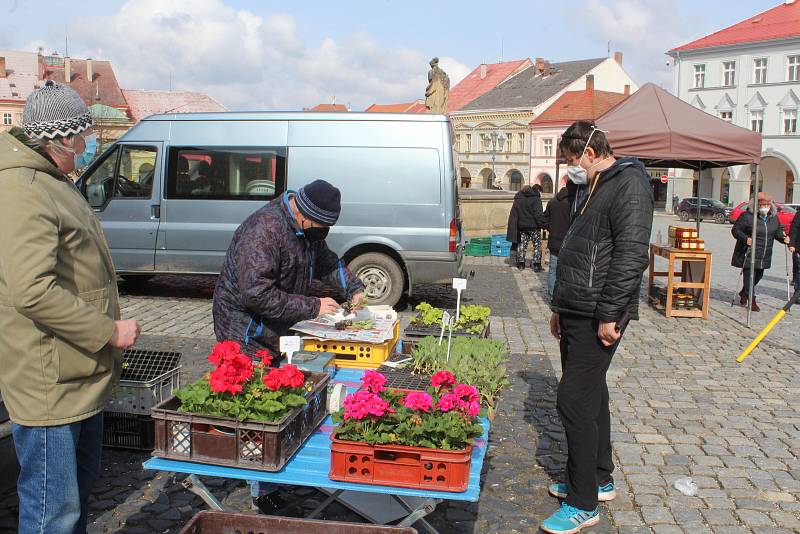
[664,131]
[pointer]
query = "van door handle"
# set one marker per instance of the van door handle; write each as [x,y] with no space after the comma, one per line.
[155,212]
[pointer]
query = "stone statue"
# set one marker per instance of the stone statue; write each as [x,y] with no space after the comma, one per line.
[438,89]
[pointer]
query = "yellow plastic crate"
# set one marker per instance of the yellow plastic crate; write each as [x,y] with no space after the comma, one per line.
[356,355]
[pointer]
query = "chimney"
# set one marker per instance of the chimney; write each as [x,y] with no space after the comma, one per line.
[590,83]
[89,72]
[67,70]
[618,57]
[484,69]
[539,65]
[40,65]
[2,67]
[627,89]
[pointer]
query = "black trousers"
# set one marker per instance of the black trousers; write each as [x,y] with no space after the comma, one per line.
[758,275]
[583,407]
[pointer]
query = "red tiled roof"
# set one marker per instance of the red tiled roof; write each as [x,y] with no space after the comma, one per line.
[103,81]
[418,106]
[578,105]
[328,107]
[473,86]
[145,103]
[780,22]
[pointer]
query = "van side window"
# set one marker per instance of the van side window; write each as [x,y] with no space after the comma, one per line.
[100,184]
[137,167]
[226,173]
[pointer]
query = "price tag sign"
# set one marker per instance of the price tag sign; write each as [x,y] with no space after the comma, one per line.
[289,345]
[459,283]
[446,321]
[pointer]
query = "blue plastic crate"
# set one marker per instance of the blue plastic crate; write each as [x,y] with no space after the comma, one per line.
[499,240]
[501,250]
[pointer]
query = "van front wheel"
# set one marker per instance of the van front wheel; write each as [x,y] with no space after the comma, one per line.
[381,275]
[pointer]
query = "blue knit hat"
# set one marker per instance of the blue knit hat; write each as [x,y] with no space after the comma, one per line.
[320,202]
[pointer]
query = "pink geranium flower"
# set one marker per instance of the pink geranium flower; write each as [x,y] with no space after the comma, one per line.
[363,404]
[373,381]
[443,379]
[448,403]
[418,400]
[466,392]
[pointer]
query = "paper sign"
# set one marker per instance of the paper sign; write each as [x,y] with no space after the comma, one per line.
[445,318]
[459,283]
[289,345]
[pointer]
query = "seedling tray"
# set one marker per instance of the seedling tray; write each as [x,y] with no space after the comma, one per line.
[211,522]
[400,466]
[413,332]
[245,444]
[404,378]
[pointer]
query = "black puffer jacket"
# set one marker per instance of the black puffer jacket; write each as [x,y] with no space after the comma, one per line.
[766,231]
[557,218]
[794,232]
[526,214]
[605,251]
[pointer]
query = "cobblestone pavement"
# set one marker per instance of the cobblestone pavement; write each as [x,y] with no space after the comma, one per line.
[681,406]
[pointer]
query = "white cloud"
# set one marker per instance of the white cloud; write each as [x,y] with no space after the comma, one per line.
[643,29]
[247,61]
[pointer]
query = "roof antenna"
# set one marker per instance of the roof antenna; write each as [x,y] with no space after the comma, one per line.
[66,42]
[609,49]
[170,81]
[501,50]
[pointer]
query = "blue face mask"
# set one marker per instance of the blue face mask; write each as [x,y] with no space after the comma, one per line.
[84,159]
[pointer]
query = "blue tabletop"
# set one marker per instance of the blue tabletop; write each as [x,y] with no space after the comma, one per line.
[310,465]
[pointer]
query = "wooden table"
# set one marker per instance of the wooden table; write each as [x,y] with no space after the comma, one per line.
[680,279]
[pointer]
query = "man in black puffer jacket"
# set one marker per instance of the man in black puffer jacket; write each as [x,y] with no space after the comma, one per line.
[600,266]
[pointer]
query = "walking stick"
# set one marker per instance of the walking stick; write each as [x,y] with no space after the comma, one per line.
[788,284]
[761,335]
[741,276]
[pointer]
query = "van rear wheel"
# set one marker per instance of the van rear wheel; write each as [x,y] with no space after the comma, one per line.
[381,275]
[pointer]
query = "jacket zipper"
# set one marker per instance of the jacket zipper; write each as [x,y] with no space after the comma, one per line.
[766,236]
[591,266]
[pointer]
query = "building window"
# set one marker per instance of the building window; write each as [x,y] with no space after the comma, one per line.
[509,142]
[727,116]
[760,70]
[521,141]
[468,143]
[458,143]
[699,76]
[482,143]
[757,121]
[547,147]
[793,74]
[729,73]
[6,118]
[789,121]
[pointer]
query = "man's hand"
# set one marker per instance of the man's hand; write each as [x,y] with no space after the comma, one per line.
[328,306]
[356,298]
[749,241]
[125,334]
[792,249]
[555,328]
[787,240]
[607,332]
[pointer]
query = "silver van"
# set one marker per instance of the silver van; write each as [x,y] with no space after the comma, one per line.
[173,189]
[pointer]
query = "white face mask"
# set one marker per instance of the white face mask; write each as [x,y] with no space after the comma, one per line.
[763,210]
[577,174]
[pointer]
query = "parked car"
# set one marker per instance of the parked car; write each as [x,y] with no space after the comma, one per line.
[785,213]
[171,192]
[709,209]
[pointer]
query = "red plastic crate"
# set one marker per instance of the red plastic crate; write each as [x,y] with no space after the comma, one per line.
[400,466]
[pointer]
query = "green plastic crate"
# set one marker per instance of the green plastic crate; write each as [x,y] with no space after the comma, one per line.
[477,249]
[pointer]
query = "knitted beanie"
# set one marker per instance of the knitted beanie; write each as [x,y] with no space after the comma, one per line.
[320,202]
[53,111]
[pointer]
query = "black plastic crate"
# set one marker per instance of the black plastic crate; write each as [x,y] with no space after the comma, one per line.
[128,431]
[404,378]
[148,378]
[417,331]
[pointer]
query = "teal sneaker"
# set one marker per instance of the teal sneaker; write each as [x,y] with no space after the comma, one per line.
[568,520]
[606,492]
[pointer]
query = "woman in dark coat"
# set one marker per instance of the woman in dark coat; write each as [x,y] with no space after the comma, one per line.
[768,228]
[525,223]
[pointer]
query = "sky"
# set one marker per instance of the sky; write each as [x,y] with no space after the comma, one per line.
[267,54]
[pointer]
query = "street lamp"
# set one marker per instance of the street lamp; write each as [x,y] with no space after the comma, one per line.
[492,144]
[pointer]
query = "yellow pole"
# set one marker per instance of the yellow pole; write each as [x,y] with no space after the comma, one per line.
[761,335]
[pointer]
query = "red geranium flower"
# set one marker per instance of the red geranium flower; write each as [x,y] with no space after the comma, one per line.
[265,356]
[224,350]
[231,375]
[292,377]
[443,379]
[373,381]
[273,380]
[466,392]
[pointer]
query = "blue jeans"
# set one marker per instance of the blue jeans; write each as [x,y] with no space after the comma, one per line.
[58,467]
[551,274]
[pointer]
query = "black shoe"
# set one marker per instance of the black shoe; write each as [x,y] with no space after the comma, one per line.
[537,267]
[743,300]
[269,503]
[521,266]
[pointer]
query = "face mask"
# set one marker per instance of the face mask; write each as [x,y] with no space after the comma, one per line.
[576,173]
[315,233]
[82,160]
[763,210]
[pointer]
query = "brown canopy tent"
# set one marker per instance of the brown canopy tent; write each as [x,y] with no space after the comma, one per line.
[664,131]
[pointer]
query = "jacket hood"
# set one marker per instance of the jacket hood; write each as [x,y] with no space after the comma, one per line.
[532,193]
[624,163]
[562,194]
[14,153]
[773,211]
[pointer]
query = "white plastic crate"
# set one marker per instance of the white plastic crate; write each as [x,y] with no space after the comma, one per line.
[148,377]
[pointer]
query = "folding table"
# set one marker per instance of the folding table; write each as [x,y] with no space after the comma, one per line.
[311,463]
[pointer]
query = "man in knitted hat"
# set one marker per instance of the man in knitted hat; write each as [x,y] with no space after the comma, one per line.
[264,285]
[60,333]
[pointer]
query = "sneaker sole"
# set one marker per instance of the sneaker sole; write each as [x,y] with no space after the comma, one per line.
[589,523]
[602,497]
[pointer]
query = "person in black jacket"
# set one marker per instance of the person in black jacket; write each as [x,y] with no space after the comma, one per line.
[556,220]
[794,248]
[769,228]
[525,222]
[600,266]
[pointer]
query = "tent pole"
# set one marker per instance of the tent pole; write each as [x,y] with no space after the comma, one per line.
[699,177]
[753,247]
